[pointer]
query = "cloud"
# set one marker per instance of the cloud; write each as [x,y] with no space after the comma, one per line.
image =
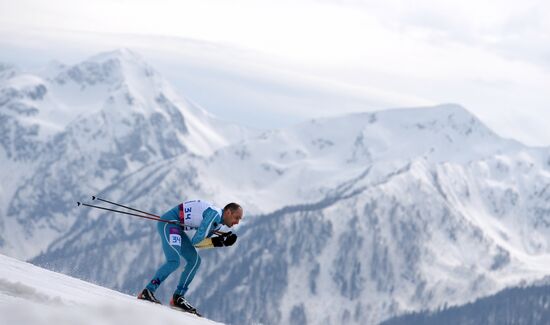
[513,29]
[295,59]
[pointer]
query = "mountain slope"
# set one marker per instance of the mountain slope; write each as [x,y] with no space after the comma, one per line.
[32,295]
[395,244]
[514,306]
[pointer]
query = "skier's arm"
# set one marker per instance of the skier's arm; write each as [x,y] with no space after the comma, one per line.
[210,216]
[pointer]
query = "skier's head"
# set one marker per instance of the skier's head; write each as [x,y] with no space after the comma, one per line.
[232,214]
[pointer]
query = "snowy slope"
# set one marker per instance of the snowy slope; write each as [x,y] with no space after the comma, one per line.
[32,295]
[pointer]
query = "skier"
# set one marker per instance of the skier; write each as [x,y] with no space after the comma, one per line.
[199,224]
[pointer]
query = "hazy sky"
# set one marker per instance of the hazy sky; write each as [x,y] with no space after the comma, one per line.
[272,63]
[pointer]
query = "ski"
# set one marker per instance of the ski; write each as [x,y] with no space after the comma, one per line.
[186,311]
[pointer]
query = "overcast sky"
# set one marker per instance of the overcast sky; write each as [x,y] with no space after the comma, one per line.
[274,63]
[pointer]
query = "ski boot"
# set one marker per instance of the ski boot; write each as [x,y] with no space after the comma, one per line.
[147,294]
[179,302]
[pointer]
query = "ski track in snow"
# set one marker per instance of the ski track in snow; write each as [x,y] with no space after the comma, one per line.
[32,295]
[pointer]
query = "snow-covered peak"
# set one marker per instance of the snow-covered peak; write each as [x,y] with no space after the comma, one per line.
[32,295]
[450,117]
[111,88]
[449,120]
[119,80]
[440,133]
[129,88]
[122,54]
[109,68]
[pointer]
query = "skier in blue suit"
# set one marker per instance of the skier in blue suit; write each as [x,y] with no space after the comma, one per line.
[199,224]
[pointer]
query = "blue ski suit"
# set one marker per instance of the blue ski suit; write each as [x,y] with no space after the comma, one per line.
[200,219]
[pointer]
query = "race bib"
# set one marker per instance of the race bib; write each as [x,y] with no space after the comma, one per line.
[175,238]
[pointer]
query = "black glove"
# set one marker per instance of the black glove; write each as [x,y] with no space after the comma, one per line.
[227,239]
[230,239]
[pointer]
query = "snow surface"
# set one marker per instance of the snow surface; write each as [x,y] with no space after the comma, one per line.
[33,295]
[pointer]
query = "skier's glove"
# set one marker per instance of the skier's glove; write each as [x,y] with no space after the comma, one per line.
[230,239]
[224,240]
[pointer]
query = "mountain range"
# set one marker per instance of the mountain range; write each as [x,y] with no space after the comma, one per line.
[349,219]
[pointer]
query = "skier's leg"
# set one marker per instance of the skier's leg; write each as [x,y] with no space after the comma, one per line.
[193,261]
[171,241]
